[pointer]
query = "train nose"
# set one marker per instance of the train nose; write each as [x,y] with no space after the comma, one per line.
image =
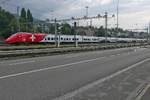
[7,41]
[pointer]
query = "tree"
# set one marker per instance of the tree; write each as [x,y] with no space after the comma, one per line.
[101,31]
[29,16]
[29,21]
[7,23]
[66,29]
[23,20]
[51,28]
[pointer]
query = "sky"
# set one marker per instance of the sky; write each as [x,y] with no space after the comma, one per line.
[132,13]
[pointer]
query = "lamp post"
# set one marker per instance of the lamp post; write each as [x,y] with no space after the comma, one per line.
[87,9]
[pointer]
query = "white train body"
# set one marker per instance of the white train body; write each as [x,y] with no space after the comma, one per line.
[87,39]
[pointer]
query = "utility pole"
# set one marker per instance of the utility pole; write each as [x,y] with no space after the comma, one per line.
[55,32]
[149,27]
[18,16]
[57,43]
[149,33]
[106,26]
[75,37]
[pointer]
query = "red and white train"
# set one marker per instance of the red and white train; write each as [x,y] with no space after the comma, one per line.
[50,38]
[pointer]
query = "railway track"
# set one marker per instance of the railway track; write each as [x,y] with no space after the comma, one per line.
[32,46]
[21,53]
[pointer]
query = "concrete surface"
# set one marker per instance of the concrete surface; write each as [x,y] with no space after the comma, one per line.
[45,78]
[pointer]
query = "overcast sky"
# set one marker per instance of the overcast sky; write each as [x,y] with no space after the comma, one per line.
[132,13]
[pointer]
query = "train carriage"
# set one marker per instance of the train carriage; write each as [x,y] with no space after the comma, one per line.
[51,38]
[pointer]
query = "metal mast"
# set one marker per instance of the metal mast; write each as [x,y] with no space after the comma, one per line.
[87,8]
[117,15]
[18,16]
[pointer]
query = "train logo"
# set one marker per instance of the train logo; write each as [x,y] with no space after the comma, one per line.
[33,38]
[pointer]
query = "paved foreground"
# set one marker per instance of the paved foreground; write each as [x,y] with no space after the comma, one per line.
[100,75]
[146,93]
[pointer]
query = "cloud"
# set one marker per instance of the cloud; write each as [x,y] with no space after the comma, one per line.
[130,11]
[104,2]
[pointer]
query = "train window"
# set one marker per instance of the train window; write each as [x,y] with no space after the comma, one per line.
[61,38]
[52,38]
[49,39]
[75,39]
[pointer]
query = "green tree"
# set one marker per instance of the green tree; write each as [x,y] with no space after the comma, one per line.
[29,21]
[100,31]
[23,20]
[29,16]
[66,29]
[52,28]
[7,23]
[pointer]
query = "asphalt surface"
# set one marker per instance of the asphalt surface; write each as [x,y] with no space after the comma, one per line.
[146,95]
[45,78]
